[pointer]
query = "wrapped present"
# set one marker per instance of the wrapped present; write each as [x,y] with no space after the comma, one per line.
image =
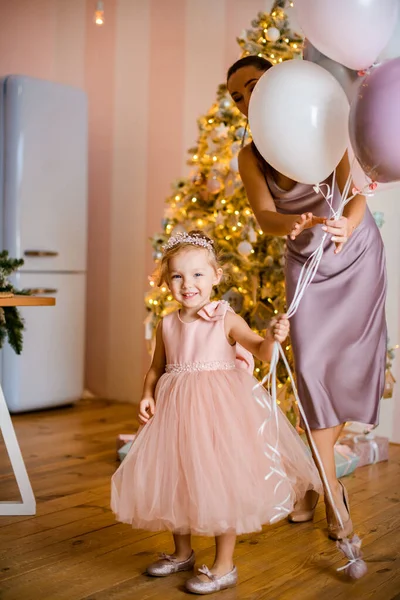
[123,451]
[355,427]
[369,448]
[124,438]
[235,299]
[262,315]
[346,461]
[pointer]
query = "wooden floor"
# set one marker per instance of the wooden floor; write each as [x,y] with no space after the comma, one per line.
[73,549]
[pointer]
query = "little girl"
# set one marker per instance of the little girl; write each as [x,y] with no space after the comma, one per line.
[207,460]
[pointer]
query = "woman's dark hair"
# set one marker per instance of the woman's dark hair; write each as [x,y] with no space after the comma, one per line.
[253,60]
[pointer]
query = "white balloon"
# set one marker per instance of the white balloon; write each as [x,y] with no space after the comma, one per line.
[352,32]
[298,116]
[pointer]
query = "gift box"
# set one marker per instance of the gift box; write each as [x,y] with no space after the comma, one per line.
[123,451]
[124,438]
[369,448]
[346,461]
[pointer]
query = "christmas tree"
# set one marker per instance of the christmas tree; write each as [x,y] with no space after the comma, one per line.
[11,323]
[213,199]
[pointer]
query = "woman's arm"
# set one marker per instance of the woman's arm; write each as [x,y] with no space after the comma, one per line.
[157,369]
[353,213]
[238,331]
[259,196]
[262,203]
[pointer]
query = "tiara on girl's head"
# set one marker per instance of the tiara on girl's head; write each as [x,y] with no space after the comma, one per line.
[185,238]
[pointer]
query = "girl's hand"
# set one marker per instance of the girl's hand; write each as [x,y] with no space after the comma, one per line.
[305,221]
[341,231]
[147,408]
[280,328]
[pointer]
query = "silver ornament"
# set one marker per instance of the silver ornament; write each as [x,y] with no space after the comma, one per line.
[272,34]
[225,103]
[245,248]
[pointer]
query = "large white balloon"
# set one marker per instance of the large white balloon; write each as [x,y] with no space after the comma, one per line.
[351,32]
[298,117]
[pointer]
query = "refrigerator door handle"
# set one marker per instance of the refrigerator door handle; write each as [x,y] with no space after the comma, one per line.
[40,291]
[40,253]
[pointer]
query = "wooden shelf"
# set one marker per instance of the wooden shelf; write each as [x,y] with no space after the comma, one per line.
[28,301]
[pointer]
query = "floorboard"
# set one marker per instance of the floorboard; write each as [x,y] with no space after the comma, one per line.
[74,550]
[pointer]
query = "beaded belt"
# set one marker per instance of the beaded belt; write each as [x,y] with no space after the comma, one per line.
[216,365]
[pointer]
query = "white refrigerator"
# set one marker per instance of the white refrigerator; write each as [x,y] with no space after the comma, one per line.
[43,202]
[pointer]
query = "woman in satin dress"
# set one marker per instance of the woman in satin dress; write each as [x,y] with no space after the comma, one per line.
[339,330]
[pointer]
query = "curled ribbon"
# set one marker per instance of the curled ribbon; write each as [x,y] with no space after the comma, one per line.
[306,276]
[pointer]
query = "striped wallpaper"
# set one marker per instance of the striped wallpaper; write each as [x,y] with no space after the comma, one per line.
[149,72]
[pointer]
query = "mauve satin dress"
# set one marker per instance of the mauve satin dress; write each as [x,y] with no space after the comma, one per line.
[339,330]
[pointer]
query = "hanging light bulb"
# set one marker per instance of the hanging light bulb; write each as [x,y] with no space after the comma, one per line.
[99,13]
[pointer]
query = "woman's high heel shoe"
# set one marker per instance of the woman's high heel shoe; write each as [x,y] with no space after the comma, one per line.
[336,532]
[302,515]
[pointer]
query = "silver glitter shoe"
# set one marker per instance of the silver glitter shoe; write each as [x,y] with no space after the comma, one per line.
[168,565]
[215,584]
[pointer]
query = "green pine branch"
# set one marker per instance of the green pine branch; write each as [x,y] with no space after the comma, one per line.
[14,326]
[11,322]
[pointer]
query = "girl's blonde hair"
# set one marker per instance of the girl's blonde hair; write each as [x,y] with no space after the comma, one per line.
[204,243]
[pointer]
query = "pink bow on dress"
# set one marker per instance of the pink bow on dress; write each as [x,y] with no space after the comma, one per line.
[214,311]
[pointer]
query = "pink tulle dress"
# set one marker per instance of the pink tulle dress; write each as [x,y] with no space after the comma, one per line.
[214,458]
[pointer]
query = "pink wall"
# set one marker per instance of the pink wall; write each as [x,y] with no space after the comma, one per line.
[99,84]
[27,39]
[166,92]
[149,72]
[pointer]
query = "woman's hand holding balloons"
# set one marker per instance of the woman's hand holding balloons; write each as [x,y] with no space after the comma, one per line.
[341,229]
[305,221]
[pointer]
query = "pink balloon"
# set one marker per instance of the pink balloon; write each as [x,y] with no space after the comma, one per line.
[374,123]
[362,182]
[351,32]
